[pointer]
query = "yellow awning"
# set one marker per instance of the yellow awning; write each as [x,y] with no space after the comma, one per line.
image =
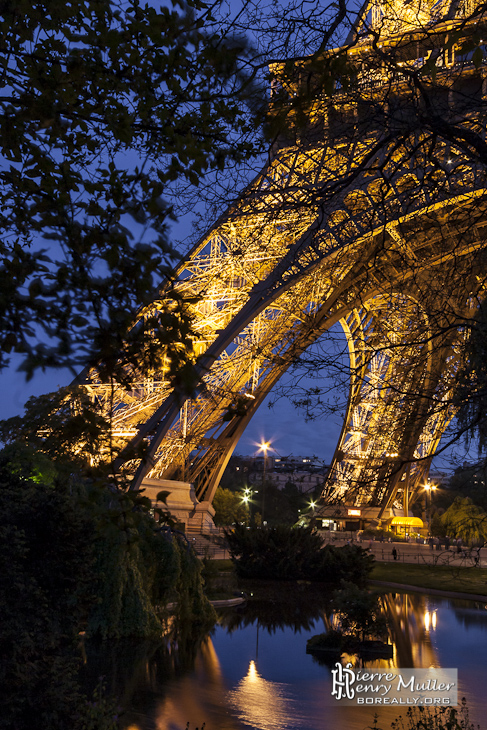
[407,521]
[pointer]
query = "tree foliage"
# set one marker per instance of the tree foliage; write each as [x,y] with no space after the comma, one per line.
[106,106]
[66,426]
[229,508]
[285,506]
[463,519]
[139,570]
[437,526]
[294,553]
[471,395]
[46,593]
[76,557]
[359,612]
[470,482]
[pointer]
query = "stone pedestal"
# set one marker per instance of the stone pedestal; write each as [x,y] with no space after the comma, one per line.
[182,504]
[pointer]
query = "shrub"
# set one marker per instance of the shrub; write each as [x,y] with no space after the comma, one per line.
[295,553]
[359,612]
[331,640]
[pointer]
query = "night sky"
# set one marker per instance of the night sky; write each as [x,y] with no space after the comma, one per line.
[284,426]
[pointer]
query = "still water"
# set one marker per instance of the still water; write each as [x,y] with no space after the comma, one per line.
[253,673]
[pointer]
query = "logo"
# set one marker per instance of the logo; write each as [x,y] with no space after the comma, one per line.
[431,687]
[343,680]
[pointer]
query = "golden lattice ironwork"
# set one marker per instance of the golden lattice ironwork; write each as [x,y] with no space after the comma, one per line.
[364,215]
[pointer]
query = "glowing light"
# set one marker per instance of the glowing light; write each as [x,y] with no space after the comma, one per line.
[252,675]
[261,703]
[430,620]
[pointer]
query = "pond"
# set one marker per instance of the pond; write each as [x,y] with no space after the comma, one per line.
[252,672]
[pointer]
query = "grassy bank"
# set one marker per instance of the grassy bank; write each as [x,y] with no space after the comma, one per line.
[223,566]
[438,577]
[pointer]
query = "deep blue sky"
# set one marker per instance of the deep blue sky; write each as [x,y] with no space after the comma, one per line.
[283,425]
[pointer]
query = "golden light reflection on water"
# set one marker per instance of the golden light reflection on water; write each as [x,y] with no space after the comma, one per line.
[261,703]
[430,620]
[245,699]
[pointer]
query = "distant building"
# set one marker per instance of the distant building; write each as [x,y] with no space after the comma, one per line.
[299,464]
[305,481]
[440,478]
[306,472]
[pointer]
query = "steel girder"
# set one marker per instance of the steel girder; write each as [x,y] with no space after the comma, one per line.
[367,230]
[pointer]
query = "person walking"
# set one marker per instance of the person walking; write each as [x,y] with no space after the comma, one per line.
[394,553]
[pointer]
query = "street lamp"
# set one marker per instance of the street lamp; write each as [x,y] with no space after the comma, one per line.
[248,501]
[428,489]
[265,446]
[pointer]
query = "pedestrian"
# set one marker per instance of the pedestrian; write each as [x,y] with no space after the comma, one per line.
[394,553]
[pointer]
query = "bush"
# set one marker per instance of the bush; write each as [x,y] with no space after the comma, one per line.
[359,612]
[332,640]
[295,553]
[75,557]
[46,563]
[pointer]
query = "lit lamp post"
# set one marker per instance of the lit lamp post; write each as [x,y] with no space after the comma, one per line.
[312,505]
[428,490]
[265,446]
[247,499]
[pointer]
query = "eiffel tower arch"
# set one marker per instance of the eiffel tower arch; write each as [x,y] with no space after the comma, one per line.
[372,215]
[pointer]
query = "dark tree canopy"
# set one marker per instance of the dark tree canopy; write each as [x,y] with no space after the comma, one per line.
[105,107]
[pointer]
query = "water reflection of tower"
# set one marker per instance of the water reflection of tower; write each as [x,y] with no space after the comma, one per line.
[410,625]
[196,696]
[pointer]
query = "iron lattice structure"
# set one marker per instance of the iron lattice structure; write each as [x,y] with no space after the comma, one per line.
[372,215]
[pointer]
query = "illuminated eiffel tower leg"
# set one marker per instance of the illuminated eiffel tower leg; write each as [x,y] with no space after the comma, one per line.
[261,353]
[353,230]
[391,430]
[249,348]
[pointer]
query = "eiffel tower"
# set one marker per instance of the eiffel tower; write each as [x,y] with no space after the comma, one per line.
[371,214]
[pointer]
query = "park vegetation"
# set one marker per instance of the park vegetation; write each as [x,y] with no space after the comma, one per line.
[109,111]
[359,624]
[295,553]
[78,560]
[229,508]
[108,107]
